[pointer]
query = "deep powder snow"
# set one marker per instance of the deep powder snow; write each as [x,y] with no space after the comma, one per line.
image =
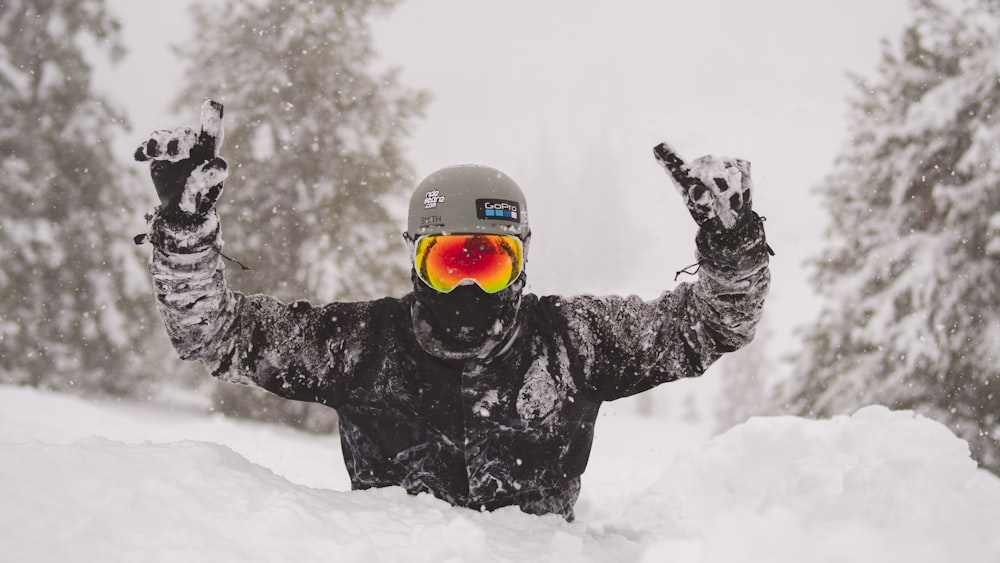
[84,481]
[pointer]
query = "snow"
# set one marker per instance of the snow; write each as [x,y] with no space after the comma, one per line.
[90,481]
[993,246]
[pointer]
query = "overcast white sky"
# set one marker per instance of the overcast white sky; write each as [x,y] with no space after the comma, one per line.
[569,97]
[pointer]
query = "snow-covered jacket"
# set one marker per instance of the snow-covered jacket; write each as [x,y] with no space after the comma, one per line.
[512,427]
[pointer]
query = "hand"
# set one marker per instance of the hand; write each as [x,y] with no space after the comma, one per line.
[186,169]
[715,189]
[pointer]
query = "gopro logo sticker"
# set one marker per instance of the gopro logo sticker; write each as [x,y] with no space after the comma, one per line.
[502,209]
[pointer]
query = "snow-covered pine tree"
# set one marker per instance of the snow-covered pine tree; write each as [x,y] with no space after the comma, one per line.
[913,270]
[318,182]
[315,198]
[74,298]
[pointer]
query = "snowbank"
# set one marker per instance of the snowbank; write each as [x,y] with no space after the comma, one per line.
[90,482]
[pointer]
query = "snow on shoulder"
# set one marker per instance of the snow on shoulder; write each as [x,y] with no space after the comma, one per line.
[876,486]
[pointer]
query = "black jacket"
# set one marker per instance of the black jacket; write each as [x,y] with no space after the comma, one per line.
[511,423]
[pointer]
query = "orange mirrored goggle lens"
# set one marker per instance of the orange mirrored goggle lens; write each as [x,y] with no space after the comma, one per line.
[445,261]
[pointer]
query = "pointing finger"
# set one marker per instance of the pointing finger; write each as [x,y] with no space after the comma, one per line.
[670,160]
[678,170]
[212,131]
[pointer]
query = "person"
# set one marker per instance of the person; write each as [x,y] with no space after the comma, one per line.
[468,387]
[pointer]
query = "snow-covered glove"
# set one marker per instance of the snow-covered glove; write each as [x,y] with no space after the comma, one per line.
[716,190]
[186,168]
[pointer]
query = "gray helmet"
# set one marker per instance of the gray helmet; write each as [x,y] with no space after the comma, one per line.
[468,198]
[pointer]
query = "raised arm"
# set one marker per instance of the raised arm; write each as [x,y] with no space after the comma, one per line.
[296,351]
[625,345]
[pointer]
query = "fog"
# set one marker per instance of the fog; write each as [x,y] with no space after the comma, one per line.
[569,98]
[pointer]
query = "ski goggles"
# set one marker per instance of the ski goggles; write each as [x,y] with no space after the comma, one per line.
[446,261]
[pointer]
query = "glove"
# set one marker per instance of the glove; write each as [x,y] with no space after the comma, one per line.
[186,168]
[715,189]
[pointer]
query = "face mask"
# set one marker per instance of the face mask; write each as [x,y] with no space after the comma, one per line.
[467,322]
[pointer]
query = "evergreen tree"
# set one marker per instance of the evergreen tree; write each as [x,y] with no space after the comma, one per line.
[74,297]
[314,136]
[913,272]
[318,181]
